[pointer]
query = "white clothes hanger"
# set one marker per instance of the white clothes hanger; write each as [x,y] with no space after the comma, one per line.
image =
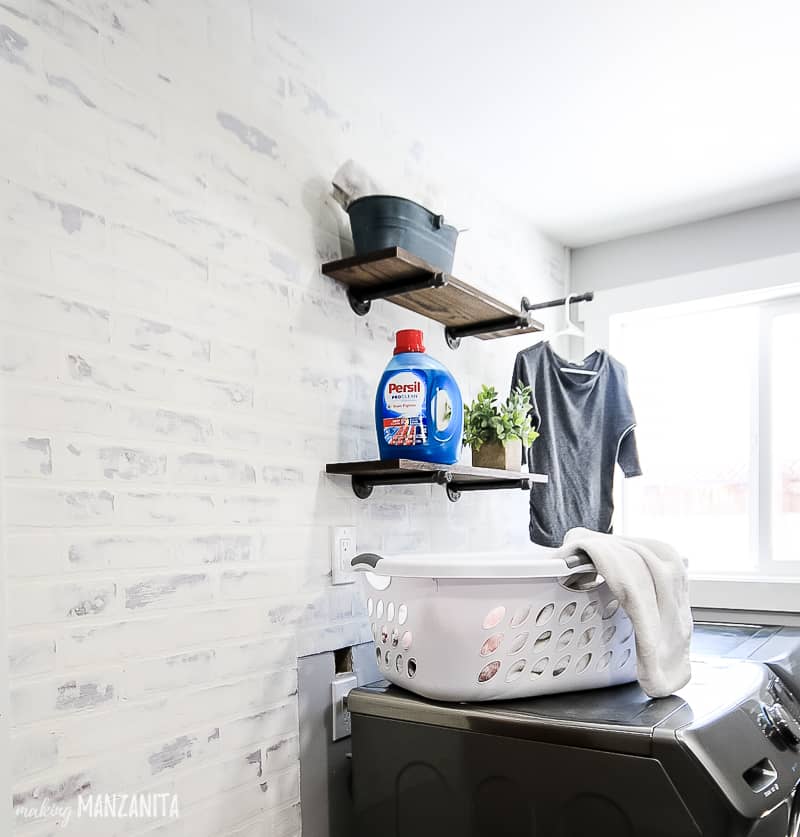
[571,329]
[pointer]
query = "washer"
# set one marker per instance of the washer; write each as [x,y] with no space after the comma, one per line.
[719,759]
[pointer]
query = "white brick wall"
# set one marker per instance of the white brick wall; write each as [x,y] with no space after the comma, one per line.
[175,372]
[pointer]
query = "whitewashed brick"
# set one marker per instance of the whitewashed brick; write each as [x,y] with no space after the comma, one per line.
[169,590]
[33,752]
[35,602]
[158,423]
[156,635]
[37,700]
[45,507]
[30,456]
[160,339]
[80,459]
[24,407]
[24,308]
[158,509]
[40,214]
[25,257]
[212,393]
[258,583]
[136,250]
[115,374]
[251,510]
[199,468]
[31,654]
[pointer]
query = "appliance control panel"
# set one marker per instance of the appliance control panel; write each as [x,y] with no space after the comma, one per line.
[780,719]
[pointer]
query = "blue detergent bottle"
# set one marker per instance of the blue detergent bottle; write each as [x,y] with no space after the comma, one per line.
[419,413]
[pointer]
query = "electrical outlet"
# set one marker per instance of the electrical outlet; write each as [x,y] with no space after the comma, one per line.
[343,550]
[341,686]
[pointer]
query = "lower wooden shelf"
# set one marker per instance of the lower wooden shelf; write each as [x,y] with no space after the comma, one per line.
[455,478]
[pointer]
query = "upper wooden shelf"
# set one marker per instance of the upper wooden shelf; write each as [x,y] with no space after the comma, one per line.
[414,284]
[456,478]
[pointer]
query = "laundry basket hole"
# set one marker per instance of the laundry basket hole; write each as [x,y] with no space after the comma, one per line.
[387,659]
[561,666]
[628,631]
[515,671]
[378,654]
[384,634]
[494,617]
[395,637]
[545,613]
[489,671]
[586,637]
[610,609]
[390,612]
[608,634]
[491,645]
[412,667]
[542,640]
[567,612]
[398,663]
[589,611]
[565,639]
[406,640]
[626,655]
[402,614]
[374,630]
[520,617]
[540,667]
[605,661]
[583,663]
[379,611]
[370,607]
[519,643]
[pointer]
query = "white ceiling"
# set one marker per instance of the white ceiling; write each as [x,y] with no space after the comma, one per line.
[598,118]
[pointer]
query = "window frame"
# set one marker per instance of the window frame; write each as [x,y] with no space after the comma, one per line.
[773,585]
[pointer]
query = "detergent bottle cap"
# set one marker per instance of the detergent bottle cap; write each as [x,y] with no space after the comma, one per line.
[408,340]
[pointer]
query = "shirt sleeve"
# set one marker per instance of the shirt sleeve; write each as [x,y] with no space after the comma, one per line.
[628,453]
[522,377]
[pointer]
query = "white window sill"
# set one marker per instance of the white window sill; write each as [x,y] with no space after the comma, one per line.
[755,594]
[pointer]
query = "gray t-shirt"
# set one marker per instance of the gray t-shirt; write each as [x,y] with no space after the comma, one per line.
[586,424]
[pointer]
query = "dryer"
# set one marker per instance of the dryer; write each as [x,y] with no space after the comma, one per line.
[719,759]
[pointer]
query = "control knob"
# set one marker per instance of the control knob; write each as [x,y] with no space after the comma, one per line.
[784,724]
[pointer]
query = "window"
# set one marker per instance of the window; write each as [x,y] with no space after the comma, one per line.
[717,400]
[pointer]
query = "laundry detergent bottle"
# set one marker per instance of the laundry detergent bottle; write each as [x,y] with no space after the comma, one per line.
[419,413]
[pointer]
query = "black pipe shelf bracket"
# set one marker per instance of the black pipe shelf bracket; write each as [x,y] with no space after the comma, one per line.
[364,476]
[360,299]
[412,283]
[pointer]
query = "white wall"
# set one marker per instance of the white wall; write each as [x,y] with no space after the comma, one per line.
[728,240]
[174,374]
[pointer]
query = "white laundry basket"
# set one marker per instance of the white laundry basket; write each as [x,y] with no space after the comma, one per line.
[493,627]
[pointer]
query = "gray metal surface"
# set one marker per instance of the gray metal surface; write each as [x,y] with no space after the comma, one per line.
[325,764]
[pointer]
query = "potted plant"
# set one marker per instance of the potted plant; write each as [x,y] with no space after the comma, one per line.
[496,432]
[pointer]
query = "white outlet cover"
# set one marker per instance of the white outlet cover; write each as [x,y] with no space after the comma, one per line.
[343,550]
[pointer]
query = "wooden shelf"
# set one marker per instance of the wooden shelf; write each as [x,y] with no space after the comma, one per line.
[412,283]
[456,478]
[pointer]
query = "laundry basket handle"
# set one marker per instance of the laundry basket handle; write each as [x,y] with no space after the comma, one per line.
[369,559]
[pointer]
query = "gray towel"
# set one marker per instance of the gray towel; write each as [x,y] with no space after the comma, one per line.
[650,580]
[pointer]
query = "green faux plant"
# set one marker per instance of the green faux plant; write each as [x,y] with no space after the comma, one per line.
[487,421]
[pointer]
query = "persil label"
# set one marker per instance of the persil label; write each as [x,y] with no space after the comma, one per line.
[404,394]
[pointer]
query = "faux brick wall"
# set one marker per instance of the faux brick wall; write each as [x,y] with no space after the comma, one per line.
[174,374]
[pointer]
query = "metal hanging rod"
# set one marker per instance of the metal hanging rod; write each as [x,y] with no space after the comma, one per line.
[526,305]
